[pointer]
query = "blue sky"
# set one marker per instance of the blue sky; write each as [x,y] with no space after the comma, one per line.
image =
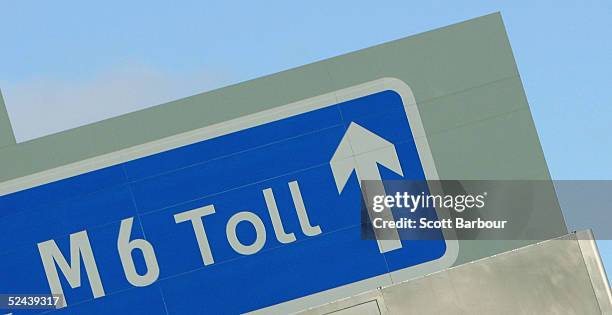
[93,61]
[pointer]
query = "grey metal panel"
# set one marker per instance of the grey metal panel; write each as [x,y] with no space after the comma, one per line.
[468,66]
[465,83]
[6,131]
[367,308]
[597,273]
[361,304]
[559,276]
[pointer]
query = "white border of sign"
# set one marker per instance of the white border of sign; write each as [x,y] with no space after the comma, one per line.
[263,117]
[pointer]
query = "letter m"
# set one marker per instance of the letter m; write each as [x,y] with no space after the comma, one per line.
[79,248]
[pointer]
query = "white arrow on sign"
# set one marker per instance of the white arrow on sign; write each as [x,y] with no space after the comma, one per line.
[361,150]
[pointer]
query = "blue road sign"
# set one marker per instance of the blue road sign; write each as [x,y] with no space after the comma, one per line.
[261,213]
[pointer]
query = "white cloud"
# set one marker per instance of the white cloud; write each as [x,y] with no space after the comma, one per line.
[47,105]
